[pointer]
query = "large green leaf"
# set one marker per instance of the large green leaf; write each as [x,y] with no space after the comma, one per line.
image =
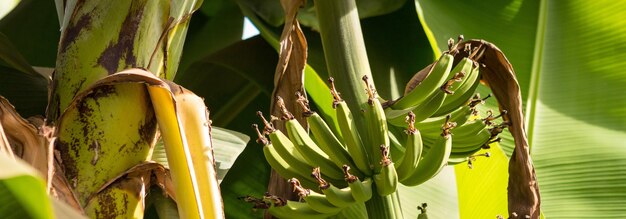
[20,83]
[249,176]
[577,109]
[27,92]
[512,27]
[439,193]
[231,79]
[575,102]
[23,193]
[33,27]
[218,27]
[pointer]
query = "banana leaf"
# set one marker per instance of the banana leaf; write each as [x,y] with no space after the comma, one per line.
[23,193]
[565,60]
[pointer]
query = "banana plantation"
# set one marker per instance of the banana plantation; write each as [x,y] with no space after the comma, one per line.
[312,109]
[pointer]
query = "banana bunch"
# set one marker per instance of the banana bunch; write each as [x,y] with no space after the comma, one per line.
[349,166]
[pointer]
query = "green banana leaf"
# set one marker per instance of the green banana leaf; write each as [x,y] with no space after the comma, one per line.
[564,54]
[19,82]
[33,27]
[23,193]
[439,193]
[216,26]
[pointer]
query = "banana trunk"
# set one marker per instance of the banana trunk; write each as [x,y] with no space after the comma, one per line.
[105,128]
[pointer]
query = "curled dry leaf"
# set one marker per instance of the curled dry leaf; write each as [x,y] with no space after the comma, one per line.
[23,138]
[498,74]
[288,79]
[32,141]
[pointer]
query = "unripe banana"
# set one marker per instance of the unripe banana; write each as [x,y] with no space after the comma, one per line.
[463,93]
[387,180]
[376,123]
[434,160]
[350,133]
[286,169]
[437,76]
[361,190]
[413,150]
[457,160]
[306,146]
[294,209]
[339,197]
[462,74]
[317,201]
[432,126]
[282,144]
[324,136]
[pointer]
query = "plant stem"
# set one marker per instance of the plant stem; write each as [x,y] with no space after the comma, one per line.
[344,49]
[386,207]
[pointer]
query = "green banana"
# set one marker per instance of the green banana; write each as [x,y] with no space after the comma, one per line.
[436,77]
[307,147]
[339,197]
[282,143]
[317,201]
[432,126]
[361,190]
[413,150]
[294,209]
[326,139]
[284,168]
[464,74]
[350,133]
[457,160]
[463,93]
[387,180]
[377,127]
[475,140]
[434,160]
[470,128]
[461,72]
[429,107]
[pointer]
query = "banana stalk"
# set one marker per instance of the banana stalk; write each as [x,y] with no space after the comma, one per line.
[106,125]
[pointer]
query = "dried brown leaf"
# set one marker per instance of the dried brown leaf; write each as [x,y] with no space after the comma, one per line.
[289,79]
[22,138]
[498,74]
[32,141]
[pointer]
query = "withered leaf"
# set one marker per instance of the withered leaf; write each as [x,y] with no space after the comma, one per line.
[498,74]
[288,79]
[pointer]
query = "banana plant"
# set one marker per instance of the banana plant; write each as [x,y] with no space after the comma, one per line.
[437,99]
[111,99]
[519,49]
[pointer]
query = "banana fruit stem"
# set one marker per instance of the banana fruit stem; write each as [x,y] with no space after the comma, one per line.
[384,207]
[344,50]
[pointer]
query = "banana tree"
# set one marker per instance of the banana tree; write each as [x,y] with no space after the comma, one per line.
[110,101]
[364,142]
